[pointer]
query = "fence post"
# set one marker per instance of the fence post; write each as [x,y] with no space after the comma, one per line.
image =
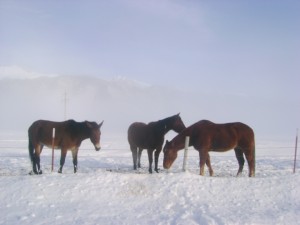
[53,137]
[295,157]
[186,146]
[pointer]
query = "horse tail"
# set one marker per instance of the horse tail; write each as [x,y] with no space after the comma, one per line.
[253,156]
[254,160]
[31,149]
[252,173]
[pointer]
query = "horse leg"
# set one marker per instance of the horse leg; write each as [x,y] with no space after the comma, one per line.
[150,158]
[157,152]
[134,156]
[211,172]
[203,154]
[240,158]
[251,162]
[32,151]
[140,150]
[62,159]
[74,155]
[36,160]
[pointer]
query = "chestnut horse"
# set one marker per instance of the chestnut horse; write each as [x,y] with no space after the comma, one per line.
[206,136]
[151,137]
[68,136]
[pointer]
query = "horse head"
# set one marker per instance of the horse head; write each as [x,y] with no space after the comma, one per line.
[170,154]
[176,123]
[95,134]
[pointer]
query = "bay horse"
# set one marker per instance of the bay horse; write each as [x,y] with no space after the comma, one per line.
[207,136]
[68,136]
[151,137]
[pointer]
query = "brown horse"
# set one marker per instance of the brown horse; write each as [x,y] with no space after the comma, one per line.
[151,137]
[68,136]
[206,136]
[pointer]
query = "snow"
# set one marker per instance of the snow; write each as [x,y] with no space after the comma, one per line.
[107,191]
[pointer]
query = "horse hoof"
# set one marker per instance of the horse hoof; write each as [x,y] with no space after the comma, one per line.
[40,172]
[32,173]
[59,171]
[239,174]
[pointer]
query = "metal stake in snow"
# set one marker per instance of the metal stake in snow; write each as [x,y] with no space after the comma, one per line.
[295,157]
[186,147]
[53,137]
[65,105]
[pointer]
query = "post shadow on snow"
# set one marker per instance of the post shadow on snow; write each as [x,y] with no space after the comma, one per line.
[4,172]
[266,168]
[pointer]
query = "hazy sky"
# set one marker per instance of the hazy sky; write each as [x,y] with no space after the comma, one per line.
[249,47]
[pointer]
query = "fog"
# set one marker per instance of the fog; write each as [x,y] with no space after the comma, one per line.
[121,101]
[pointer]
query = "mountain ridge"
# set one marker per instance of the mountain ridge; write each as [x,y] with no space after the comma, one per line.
[121,101]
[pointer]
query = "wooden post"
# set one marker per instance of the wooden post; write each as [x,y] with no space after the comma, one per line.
[295,157]
[53,137]
[186,146]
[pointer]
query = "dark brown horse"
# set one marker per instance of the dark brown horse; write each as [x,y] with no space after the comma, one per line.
[206,136]
[151,137]
[68,136]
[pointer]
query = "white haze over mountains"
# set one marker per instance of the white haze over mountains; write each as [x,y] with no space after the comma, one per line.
[107,191]
[121,101]
[16,72]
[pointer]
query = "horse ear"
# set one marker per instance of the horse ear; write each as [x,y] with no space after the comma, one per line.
[178,114]
[88,124]
[100,124]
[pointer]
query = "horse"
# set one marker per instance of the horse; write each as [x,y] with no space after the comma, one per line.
[68,136]
[151,137]
[207,136]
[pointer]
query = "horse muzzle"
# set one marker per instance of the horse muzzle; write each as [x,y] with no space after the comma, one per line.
[167,165]
[97,147]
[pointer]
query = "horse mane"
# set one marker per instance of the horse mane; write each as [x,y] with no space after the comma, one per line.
[76,128]
[164,124]
[169,120]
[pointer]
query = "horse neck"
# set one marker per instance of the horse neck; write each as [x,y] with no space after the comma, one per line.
[165,125]
[179,140]
[83,131]
[161,127]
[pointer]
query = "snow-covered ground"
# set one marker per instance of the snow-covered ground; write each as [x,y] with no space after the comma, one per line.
[107,191]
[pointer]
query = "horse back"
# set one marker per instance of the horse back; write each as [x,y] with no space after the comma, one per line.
[41,131]
[222,137]
[137,133]
[245,134]
[143,136]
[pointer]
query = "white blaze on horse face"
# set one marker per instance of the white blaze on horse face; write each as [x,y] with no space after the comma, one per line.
[95,139]
[98,146]
[169,157]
